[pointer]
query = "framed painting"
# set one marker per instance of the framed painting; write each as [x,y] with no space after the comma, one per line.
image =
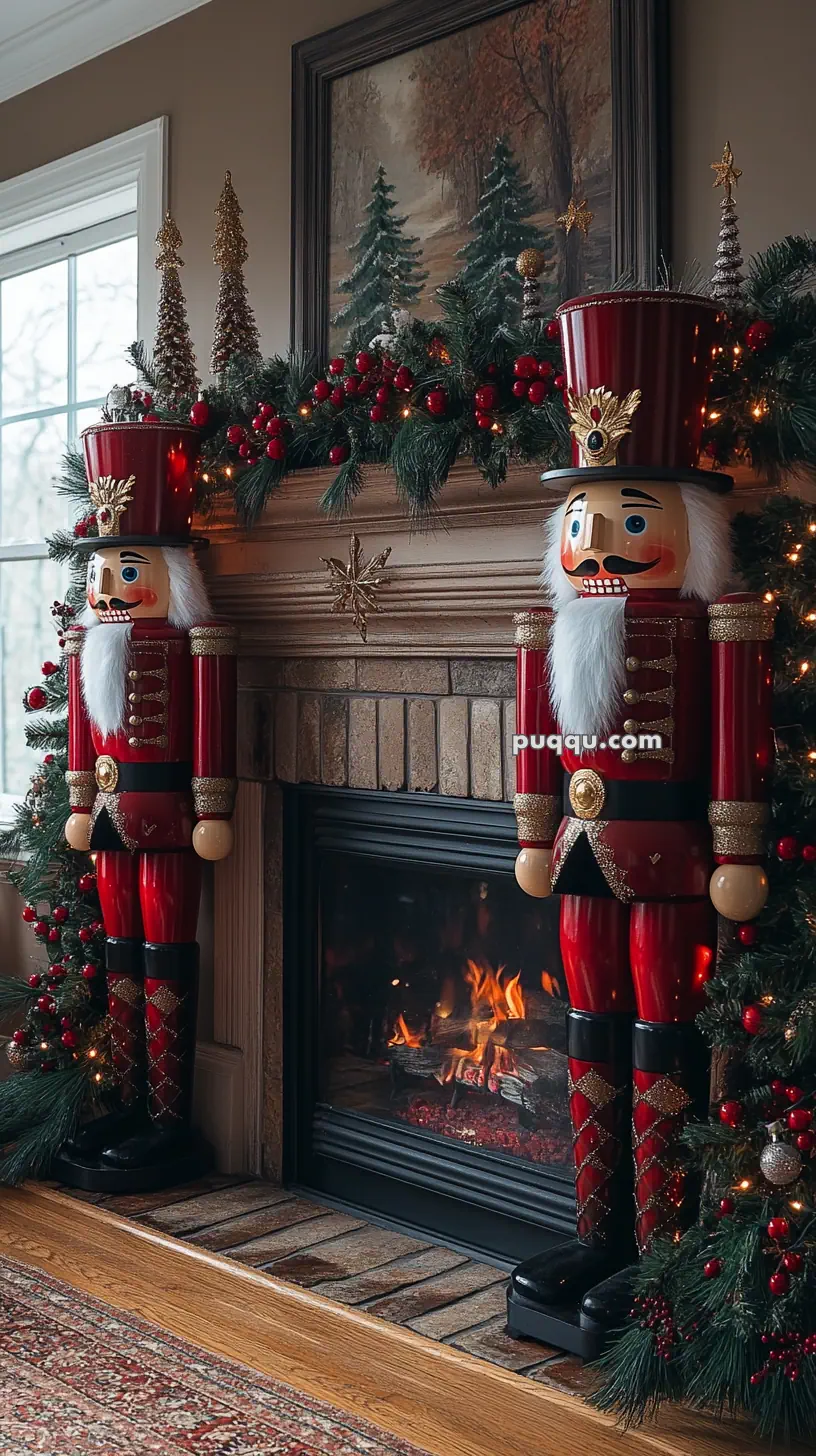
[414,125]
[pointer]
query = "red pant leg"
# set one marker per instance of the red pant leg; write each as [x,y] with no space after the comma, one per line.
[672,945]
[170,888]
[117,878]
[595,953]
[117,881]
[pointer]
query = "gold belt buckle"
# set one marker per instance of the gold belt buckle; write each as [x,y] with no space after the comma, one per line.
[587,793]
[106,773]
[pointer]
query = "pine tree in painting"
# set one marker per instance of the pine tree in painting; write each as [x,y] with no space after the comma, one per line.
[386,273]
[501,233]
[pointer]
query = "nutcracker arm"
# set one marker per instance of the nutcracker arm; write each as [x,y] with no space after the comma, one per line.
[539,775]
[213,648]
[81,754]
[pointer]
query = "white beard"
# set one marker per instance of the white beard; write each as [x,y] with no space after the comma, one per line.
[104,663]
[588,664]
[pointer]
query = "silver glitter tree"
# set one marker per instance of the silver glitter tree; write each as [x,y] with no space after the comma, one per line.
[727,279]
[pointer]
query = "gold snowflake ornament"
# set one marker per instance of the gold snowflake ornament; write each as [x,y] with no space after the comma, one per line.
[355,585]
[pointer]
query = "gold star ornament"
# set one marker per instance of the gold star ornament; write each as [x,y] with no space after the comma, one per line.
[727,174]
[355,585]
[577,215]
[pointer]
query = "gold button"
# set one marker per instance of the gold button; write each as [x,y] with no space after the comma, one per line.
[134,697]
[134,742]
[134,674]
[633,664]
[587,793]
[630,697]
[134,719]
[630,726]
[628,755]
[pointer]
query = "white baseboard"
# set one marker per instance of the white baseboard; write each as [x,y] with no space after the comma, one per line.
[218,1104]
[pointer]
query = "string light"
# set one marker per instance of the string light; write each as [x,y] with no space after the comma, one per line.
[812,528]
[744,1185]
[714,414]
[804,667]
[228,472]
[796,1205]
[405,413]
[304,411]
[205,477]
[769,596]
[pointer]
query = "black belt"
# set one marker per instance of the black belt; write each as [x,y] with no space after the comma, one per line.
[640,800]
[152,778]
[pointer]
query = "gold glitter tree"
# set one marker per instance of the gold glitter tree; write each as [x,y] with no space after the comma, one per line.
[235,332]
[173,357]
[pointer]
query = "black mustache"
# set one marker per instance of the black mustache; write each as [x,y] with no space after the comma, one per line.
[117,603]
[618,564]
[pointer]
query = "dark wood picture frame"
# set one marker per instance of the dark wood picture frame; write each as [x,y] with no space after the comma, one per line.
[640,134]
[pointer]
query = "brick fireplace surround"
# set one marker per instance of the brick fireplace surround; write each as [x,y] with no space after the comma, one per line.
[424,707]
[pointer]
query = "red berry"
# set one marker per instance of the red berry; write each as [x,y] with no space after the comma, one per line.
[364,362]
[553,329]
[779,1283]
[484,421]
[732,1113]
[56,970]
[97,925]
[46,1004]
[383,394]
[377,413]
[752,1019]
[150,419]
[89,970]
[258,423]
[36,698]
[799,1119]
[322,390]
[41,928]
[545,369]
[275,426]
[252,458]
[49,758]
[60,914]
[29,914]
[69,1039]
[538,391]
[792,1261]
[758,335]
[404,379]
[436,401]
[388,364]
[35,981]
[351,385]
[244,450]
[147,400]
[727,1207]
[276,448]
[236,434]
[806,1141]
[338,397]
[49,668]
[20,1038]
[794,1093]
[53,934]
[200,413]
[787,847]
[337,366]
[338,453]
[81,528]
[560,381]
[778,1229]
[747,934]
[809,853]
[265,410]
[713,1268]
[85,935]
[525,367]
[86,883]
[487,397]
[520,387]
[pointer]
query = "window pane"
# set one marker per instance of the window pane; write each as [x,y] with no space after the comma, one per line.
[34,339]
[30,458]
[28,590]
[106,317]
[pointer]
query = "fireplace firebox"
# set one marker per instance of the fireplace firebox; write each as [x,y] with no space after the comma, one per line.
[425,1075]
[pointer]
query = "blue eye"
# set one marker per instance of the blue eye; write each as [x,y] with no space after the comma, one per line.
[635,525]
[130,573]
[575,528]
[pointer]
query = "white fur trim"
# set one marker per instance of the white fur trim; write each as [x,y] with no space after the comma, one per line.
[189,603]
[709,564]
[587,664]
[103,664]
[554,579]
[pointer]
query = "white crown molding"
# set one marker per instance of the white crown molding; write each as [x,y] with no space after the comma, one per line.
[72,34]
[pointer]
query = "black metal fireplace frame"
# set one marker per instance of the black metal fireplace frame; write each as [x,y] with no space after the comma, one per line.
[482,1199]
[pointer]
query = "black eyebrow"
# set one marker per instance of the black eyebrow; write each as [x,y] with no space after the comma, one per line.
[133,556]
[640,495]
[575,499]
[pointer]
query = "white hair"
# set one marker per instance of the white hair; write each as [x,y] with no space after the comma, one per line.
[189,603]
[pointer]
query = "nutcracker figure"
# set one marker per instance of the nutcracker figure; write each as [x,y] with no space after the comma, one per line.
[643,752]
[151,781]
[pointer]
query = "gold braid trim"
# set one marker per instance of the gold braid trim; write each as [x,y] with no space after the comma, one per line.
[741,621]
[537,816]
[81,788]
[532,629]
[214,796]
[738,825]
[73,641]
[213,641]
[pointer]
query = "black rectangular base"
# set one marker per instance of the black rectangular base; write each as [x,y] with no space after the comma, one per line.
[93,1176]
[560,1327]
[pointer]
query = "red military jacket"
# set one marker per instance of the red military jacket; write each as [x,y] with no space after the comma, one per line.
[172,761]
[701,679]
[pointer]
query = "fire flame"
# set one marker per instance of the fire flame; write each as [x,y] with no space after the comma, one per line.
[404,1036]
[494,1000]
[550,984]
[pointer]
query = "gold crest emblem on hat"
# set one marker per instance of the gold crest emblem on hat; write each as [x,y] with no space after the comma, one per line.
[110,497]
[599,422]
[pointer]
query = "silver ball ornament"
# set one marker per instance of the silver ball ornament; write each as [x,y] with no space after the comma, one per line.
[780,1162]
[117,400]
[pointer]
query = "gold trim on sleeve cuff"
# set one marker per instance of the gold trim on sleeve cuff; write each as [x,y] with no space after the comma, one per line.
[741,621]
[81,788]
[214,796]
[532,629]
[219,641]
[537,816]
[738,826]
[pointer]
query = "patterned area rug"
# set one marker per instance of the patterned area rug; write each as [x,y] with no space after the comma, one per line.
[78,1378]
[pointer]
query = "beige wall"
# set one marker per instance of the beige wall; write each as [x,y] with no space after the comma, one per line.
[742,69]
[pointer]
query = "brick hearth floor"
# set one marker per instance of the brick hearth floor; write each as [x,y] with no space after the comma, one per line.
[434,1290]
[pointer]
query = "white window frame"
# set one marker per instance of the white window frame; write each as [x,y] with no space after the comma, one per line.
[74,204]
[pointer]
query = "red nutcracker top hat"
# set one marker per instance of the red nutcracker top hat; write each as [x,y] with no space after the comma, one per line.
[638,367]
[142,481]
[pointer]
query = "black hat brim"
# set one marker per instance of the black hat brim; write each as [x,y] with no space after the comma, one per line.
[711,479]
[92,543]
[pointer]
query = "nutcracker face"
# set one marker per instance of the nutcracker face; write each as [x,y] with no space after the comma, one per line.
[620,536]
[128,583]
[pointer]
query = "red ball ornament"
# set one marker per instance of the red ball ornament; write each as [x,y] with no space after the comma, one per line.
[726,1207]
[49,668]
[484,422]
[244,450]
[337,366]
[351,385]
[525,367]
[779,1282]
[338,397]
[377,413]
[275,426]
[266,410]
[364,362]
[236,434]
[41,928]
[200,413]
[747,934]
[799,1119]
[758,335]
[60,914]
[538,391]
[806,1141]
[794,1093]
[322,390]
[560,382]
[779,1229]
[86,883]
[545,369]
[383,394]
[20,1037]
[88,971]
[732,1113]
[404,379]
[276,448]
[712,1268]
[792,1261]
[34,981]
[29,914]
[436,402]
[486,397]
[752,1020]
[520,387]
[553,329]
[337,454]
[36,698]
[809,853]
[46,1004]
[53,935]
[69,1040]
[787,847]
[85,935]
[258,423]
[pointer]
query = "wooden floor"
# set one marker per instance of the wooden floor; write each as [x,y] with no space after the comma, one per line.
[416,1377]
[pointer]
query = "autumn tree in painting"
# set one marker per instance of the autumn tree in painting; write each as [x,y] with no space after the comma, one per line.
[386,272]
[500,233]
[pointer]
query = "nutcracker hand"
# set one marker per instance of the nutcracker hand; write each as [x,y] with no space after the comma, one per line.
[533,872]
[739,891]
[213,838]
[78,831]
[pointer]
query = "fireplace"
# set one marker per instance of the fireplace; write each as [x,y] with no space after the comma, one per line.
[424,1062]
